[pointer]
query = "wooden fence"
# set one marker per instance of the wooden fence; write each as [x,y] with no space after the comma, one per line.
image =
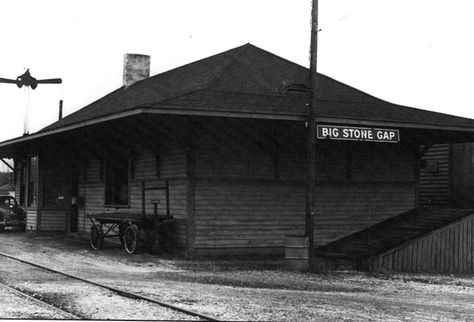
[449,249]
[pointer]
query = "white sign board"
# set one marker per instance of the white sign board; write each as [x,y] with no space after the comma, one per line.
[350,133]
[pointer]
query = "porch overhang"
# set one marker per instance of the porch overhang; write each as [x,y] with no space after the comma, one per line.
[430,133]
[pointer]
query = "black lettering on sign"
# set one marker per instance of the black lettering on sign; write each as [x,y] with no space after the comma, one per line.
[350,133]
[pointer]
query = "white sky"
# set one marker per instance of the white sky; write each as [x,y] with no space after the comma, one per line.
[416,53]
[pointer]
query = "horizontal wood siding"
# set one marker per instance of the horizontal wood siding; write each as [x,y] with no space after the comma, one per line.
[31,219]
[171,168]
[171,165]
[93,191]
[235,164]
[347,208]
[435,178]
[177,201]
[251,195]
[54,220]
[236,215]
[246,215]
[446,250]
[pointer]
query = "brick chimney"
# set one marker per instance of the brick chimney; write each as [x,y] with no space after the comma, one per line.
[135,68]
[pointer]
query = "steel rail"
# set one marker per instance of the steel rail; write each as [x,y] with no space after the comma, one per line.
[116,290]
[12,289]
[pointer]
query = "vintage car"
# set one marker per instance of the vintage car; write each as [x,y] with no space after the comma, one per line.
[11,215]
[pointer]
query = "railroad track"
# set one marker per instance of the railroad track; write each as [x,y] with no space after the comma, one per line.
[122,293]
[64,313]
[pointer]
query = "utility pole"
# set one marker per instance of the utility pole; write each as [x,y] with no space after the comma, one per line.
[311,135]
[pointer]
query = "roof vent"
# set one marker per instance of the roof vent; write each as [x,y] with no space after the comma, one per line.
[135,68]
[296,88]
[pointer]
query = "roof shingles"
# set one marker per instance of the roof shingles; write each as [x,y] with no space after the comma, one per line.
[249,79]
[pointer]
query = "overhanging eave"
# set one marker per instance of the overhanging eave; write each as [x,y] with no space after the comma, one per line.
[213,112]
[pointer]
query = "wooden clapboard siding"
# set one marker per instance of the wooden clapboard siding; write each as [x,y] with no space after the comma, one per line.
[336,161]
[83,224]
[435,179]
[240,163]
[171,168]
[252,196]
[391,233]
[246,215]
[31,219]
[235,214]
[446,250]
[171,165]
[54,220]
[93,187]
[177,201]
[343,209]
[93,193]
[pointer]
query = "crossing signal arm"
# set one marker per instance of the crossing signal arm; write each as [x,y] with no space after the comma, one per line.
[27,80]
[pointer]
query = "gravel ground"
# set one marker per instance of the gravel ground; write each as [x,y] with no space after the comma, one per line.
[15,306]
[82,299]
[249,290]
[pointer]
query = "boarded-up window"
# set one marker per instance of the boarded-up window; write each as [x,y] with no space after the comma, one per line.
[116,182]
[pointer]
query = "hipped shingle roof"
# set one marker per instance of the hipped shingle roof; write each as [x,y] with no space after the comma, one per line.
[251,81]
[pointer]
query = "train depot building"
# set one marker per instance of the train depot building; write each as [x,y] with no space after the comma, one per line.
[219,145]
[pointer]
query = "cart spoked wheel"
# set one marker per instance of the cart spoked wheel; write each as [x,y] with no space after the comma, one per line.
[97,237]
[130,239]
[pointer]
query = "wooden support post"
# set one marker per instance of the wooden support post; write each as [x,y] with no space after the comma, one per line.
[311,134]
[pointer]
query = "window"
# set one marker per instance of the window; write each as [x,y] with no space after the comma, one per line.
[116,182]
[32,177]
[28,176]
[22,178]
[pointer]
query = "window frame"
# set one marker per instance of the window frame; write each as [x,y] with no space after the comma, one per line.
[107,167]
[32,182]
[23,181]
[28,181]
